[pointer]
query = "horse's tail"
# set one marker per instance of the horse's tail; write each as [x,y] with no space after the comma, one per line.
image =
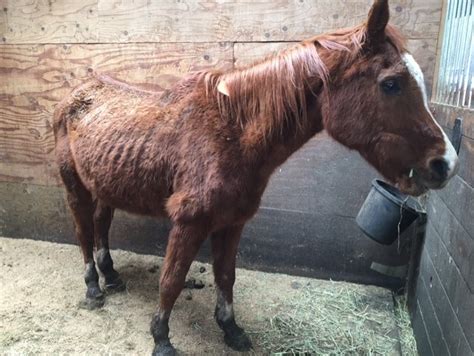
[59,116]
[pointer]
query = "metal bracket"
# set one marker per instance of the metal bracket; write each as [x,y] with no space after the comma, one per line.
[391,271]
[456,136]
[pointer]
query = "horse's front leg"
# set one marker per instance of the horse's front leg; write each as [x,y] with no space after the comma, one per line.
[225,244]
[183,245]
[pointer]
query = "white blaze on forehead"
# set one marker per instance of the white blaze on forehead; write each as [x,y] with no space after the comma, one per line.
[414,69]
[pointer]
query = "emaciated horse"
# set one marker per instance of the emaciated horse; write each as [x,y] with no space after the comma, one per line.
[202,153]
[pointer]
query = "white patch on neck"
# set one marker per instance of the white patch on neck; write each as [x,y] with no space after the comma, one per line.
[450,154]
[222,88]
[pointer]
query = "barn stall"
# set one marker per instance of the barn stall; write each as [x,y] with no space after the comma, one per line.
[305,227]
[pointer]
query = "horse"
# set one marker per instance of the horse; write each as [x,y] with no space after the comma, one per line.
[202,152]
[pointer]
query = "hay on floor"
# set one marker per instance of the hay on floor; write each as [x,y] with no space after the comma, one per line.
[336,321]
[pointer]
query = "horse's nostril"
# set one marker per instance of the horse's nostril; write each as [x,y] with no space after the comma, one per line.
[439,168]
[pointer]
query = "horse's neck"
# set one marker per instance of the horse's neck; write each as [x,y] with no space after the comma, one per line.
[273,130]
[268,150]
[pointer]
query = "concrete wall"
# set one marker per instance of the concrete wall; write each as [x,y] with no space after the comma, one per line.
[306,224]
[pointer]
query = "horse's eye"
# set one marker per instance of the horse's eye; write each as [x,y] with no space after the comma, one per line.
[391,87]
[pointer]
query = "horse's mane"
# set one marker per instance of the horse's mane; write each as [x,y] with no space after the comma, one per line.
[277,87]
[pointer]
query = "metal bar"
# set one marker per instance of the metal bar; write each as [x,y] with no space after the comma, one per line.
[443,60]
[446,49]
[453,65]
[470,60]
[456,65]
[461,53]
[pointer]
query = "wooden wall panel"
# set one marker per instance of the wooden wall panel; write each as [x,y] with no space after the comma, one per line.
[49,21]
[459,244]
[452,330]
[461,297]
[35,78]
[434,330]
[446,115]
[77,21]
[311,181]
[459,197]
[446,272]
[466,157]
[423,342]
[249,52]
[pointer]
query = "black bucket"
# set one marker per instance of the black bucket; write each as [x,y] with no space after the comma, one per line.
[386,213]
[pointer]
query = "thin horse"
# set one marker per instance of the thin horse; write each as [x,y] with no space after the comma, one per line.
[201,153]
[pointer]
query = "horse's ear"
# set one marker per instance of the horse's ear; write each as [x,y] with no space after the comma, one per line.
[376,23]
[222,88]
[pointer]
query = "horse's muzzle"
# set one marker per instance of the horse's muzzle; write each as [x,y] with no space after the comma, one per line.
[438,173]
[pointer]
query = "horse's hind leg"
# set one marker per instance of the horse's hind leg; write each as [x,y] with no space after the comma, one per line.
[225,244]
[82,208]
[103,215]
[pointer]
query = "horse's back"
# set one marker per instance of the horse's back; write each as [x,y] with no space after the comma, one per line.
[135,149]
[111,132]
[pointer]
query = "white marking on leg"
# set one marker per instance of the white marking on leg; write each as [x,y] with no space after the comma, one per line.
[225,311]
[450,154]
[163,315]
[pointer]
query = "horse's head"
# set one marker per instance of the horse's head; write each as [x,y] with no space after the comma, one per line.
[377,104]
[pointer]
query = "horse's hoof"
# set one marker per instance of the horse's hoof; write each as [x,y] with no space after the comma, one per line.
[164,349]
[95,299]
[116,286]
[92,303]
[238,340]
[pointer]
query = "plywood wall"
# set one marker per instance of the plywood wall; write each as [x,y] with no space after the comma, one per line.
[48,46]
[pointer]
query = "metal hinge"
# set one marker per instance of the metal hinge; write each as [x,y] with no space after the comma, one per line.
[456,137]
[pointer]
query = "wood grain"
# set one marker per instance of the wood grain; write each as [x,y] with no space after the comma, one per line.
[49,21]
[249,52]
[35,78]
[104,21]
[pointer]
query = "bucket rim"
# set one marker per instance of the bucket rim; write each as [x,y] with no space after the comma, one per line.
[395,196]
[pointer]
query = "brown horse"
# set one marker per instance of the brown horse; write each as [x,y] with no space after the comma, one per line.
[201,153]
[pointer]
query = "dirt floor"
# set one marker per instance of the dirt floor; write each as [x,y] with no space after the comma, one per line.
[42,287]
